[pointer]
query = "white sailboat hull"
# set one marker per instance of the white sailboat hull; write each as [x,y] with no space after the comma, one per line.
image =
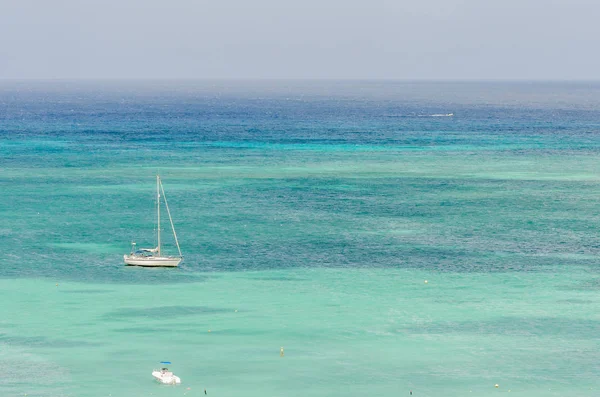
[152,261]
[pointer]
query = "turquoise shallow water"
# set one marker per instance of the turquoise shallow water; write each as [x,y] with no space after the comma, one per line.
[344,332]
[310,215]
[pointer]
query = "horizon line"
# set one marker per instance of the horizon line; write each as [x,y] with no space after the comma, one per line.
[257,79]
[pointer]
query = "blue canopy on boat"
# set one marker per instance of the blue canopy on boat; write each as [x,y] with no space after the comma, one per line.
[165,362]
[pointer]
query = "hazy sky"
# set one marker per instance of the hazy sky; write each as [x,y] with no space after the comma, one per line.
[416,39]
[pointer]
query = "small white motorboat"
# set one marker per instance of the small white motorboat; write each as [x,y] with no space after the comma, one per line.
[165,376]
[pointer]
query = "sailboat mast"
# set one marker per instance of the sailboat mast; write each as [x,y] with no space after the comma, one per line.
[158,209]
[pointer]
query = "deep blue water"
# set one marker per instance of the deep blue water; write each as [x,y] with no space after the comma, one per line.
[278,174]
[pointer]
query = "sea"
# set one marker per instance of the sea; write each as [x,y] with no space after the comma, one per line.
[392,237]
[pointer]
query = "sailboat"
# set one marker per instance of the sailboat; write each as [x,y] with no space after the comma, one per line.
[152,257]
